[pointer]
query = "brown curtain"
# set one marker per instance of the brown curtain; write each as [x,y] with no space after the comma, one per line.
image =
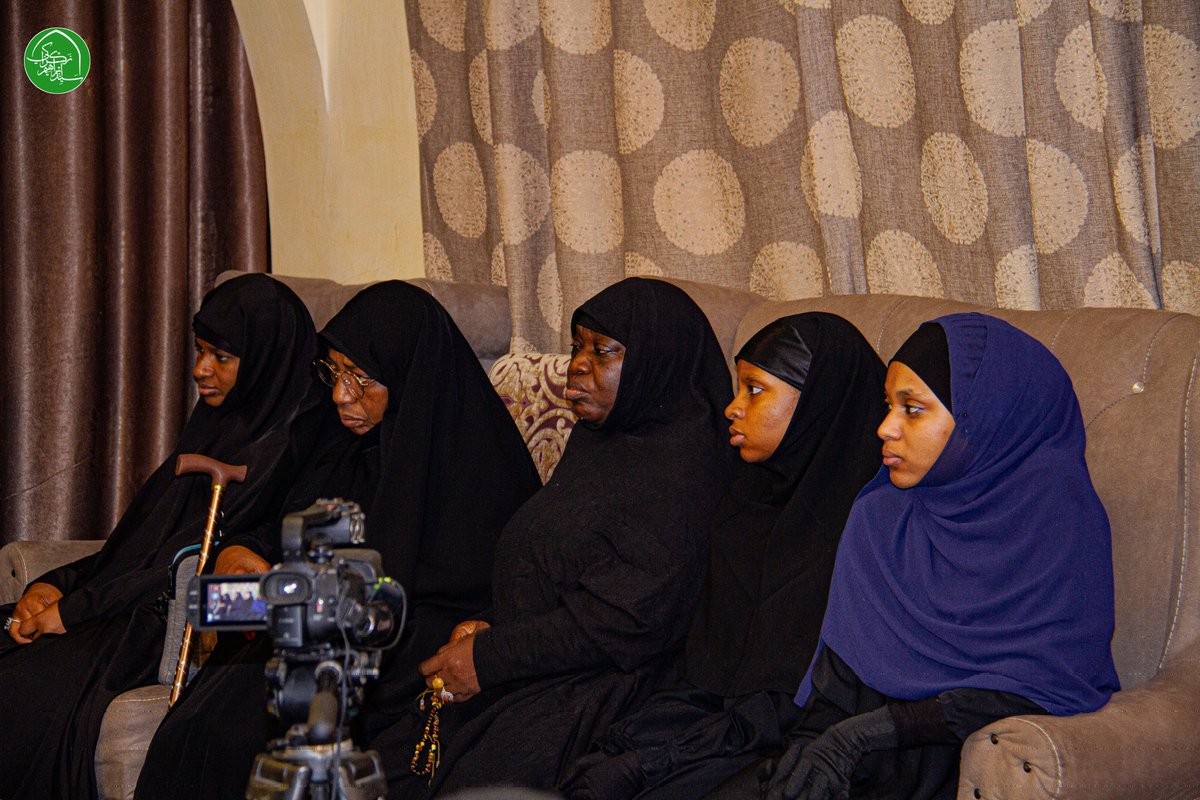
[1016,153]
[121,202]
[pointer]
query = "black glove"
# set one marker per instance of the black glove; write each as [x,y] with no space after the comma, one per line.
[821,769]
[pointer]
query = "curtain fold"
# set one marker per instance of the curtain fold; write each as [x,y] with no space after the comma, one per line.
[121,202]
[1027,154]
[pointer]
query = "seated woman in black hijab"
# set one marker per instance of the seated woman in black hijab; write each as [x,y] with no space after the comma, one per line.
[950,605]
[803,420]
[86,632]
[597,574]
[425,445]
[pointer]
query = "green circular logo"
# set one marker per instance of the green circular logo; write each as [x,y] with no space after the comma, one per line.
[57,60]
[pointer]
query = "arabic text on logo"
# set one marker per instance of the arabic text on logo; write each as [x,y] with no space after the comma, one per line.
[57,60]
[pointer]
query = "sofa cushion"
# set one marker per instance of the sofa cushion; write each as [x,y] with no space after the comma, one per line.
[129,724]
[532,386]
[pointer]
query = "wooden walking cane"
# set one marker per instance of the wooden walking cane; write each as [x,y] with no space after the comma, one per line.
[222,475]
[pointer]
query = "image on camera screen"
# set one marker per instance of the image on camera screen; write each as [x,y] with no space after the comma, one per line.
[234,601]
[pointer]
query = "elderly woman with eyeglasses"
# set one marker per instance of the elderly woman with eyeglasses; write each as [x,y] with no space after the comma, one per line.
[424,444]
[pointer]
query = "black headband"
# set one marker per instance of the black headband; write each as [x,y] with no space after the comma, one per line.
[927,353]
[780,350]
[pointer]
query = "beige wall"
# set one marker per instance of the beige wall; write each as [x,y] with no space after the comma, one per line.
[335,95]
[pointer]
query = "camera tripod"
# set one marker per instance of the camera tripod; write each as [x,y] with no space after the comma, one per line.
[316,759]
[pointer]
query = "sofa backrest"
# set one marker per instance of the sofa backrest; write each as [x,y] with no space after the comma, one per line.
[480,310]
[1135,372]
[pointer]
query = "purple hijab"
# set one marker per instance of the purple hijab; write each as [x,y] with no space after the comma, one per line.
[995,571]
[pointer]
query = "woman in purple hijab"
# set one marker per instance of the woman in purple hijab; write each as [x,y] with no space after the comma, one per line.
[973,580]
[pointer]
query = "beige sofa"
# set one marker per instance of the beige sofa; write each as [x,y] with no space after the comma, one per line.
[1136,375]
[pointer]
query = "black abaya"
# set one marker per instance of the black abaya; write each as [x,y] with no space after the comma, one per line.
[597,574]
[53,691]
[774,537]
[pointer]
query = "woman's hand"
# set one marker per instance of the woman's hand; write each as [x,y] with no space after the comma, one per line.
[46,621]
[455,665]
[468,628]
[37,598]
[238,560]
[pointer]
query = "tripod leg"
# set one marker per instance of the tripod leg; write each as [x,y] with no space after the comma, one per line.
[361,776]
[276,779]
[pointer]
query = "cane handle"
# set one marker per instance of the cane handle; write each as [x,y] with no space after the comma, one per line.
[221,474]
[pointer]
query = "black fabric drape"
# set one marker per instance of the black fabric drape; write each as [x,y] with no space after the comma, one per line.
[122,201]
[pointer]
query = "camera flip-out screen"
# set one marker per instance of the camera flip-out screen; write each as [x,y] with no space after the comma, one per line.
[233,603]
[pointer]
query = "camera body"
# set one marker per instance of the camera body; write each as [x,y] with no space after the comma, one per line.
[325,592]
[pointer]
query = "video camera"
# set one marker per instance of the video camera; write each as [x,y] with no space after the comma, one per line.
[319,593]
[330,613]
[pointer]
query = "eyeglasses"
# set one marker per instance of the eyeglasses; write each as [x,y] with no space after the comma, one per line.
[330,375]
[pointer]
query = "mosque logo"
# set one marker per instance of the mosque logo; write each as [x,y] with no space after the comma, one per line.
[57,60]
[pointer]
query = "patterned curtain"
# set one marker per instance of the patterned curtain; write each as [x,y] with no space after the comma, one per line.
[1027,154]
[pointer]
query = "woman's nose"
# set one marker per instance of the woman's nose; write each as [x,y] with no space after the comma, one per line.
[203,368]
[578,366]
[888,430]
[734,410]
[341,393]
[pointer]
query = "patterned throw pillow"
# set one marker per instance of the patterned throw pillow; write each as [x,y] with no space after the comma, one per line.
[532,386]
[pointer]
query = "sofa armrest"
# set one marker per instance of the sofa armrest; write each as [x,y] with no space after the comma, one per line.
[1144,743]
[21,562]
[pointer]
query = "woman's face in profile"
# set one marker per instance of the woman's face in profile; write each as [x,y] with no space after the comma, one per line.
[215,373]
[916,428]
[760,413]
[594,374]
[361,401]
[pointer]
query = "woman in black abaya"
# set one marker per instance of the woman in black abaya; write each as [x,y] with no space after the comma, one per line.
[428,450]
[89,631]
[804,419]
[454,469]
[596,576]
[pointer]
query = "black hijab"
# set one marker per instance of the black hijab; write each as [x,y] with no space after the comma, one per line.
[927,353]
[776,531]
[614,543]
[453,466]
[264,324]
